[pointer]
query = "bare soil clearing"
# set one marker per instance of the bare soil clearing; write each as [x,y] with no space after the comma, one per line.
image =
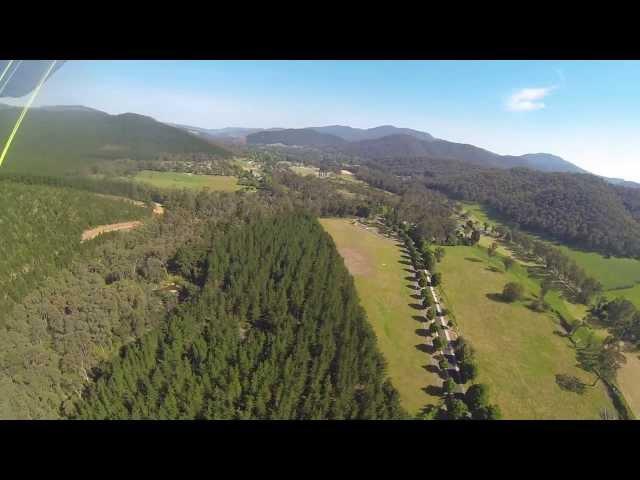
[114,227]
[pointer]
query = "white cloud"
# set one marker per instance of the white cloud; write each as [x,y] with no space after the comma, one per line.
[528,99]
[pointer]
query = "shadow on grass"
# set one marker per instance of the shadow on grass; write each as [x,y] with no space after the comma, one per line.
[410,278]
[418,318]
[409,270]
[494,269]
[432,369]
[424,348]
[416,306]
[474,260]
[416,296]
[412,287]
[404,262]
[423,332]
[433,391]
[496,297]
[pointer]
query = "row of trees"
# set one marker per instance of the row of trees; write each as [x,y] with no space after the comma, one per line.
[475,403]
[620,317]
[558,264]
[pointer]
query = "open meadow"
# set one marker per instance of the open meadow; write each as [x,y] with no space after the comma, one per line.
[185,180]
[518,350]
[385,288]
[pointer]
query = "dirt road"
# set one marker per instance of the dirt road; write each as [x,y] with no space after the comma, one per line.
[114,227]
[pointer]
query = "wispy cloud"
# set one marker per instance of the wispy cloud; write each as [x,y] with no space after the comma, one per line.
[528,99]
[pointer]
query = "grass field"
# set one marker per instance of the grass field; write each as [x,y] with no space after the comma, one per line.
[614,273]
[185,180]
[381,282]
[632,294]
[629,381]
[517,350]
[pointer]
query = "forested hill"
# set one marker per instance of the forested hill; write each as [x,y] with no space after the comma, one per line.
[277,332]
[295,136]
[579,209]
[62,140]
[40,230]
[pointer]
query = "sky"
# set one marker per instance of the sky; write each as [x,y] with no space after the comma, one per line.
[587,112]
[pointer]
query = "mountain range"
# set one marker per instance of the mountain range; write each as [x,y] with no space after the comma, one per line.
[387,141]
[69,133]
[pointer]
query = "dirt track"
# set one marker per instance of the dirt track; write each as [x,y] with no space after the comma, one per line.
[92,233]
[114,227]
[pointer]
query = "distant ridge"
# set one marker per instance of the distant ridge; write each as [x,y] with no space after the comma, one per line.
[306,137]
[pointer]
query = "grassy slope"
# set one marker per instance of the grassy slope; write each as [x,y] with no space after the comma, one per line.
[184,180]
[517,350]
[382,286]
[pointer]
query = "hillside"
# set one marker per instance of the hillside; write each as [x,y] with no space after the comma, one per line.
[305,137]
[582,210]
[64,139]
[351,134]
[40,230]
[404,146]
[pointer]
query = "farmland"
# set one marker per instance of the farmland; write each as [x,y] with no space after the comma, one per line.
[185,180]
[519,351]
[385,292]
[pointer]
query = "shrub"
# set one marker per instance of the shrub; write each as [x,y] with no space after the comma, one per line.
[512,291]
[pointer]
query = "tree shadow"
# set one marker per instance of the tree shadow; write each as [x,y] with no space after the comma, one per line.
[474,260]
[412,286]
[423,332]
[496,297]
[410,279]
[404,262]
[494,269]
[423,348]
[409,270]
[416,306]
[432,369]
[433,391]
[416,296]
[419,318]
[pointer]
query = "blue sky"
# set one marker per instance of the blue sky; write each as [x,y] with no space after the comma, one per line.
[588,112]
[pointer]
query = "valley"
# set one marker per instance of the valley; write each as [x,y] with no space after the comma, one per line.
[310,273]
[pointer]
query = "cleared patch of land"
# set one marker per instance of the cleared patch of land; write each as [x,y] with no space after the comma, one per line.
[92,233]
[304,171]
[629,381]
[185,180]
[384,288]
[518,350]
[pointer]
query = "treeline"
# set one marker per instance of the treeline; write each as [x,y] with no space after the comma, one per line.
[563,268]
[579,209]
[323,198]
[426,215]
[474,404]
[277,332]
[41,227]
[620,317]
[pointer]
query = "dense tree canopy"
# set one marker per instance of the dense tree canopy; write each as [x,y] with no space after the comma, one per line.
[276,332]
[576,208]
